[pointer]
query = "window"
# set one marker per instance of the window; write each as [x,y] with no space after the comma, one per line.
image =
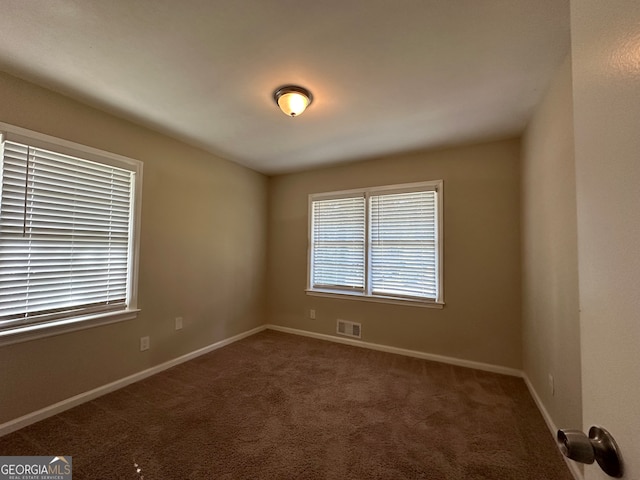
[68,233]
[378,243]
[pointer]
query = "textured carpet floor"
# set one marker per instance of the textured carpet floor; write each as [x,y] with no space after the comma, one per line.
[277,406]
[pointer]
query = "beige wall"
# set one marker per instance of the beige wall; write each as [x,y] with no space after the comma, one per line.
[202,256]
[550,315]
[481,319]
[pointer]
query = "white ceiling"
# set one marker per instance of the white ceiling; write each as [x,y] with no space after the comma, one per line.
[386,75]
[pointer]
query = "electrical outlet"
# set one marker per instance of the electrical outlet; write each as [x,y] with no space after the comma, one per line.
[312,314]
[552,387]
[178,323]
[144,343]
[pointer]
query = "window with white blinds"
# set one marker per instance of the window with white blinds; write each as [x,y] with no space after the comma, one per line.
[404,258]
[66,236]
[338,243]
[381,242]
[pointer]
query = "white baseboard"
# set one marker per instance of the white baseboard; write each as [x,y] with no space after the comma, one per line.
[30,418]
[573,466]
[402,351]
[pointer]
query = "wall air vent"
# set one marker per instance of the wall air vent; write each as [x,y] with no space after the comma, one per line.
[349,329]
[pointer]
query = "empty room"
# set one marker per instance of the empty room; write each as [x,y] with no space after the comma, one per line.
[277,239]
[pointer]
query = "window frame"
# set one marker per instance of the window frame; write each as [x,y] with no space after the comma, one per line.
[367,192]
[69,323]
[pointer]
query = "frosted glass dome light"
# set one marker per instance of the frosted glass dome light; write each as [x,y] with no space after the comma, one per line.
[292,100]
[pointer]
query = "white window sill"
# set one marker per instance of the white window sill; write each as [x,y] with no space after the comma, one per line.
[376,299]
[58,327]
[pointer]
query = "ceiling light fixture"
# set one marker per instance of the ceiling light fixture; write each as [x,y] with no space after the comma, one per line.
[292,100]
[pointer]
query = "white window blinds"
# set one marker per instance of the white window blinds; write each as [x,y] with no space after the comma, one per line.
[338,243]
[65,230]
[403,244]
[378,242]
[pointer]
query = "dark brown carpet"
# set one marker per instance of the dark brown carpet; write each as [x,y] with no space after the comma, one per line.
[278,406]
